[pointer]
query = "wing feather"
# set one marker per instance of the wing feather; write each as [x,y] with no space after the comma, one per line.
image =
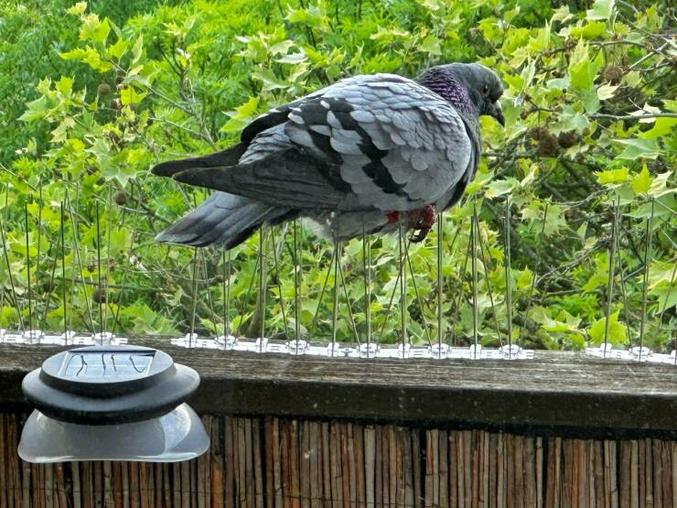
[379,141]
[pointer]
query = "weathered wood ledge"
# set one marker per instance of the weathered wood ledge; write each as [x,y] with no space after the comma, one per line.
[555,392]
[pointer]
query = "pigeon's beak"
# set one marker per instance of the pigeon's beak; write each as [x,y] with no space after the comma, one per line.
[496,111]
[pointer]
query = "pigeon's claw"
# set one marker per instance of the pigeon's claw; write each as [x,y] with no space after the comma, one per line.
[421,220]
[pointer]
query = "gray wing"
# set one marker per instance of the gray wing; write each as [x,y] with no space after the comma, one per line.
[397,144]
[377,141]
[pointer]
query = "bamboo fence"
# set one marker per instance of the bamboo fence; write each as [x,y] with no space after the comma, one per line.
[287,462]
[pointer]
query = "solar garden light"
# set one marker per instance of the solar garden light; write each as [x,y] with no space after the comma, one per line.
[111,403]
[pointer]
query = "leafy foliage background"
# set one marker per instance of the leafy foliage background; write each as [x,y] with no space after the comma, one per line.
[581,179]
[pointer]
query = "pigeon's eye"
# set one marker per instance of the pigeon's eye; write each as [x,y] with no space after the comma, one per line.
[485,90]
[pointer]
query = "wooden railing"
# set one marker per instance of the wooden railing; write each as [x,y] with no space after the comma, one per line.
[560,429]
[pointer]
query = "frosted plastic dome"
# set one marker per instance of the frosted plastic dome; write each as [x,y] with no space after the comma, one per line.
[176,436]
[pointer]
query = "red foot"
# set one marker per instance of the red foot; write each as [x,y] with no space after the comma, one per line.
[422,220]
[393,217]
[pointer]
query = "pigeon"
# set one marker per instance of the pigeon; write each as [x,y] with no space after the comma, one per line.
[367,154]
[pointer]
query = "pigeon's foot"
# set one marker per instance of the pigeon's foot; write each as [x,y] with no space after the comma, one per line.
[421,220]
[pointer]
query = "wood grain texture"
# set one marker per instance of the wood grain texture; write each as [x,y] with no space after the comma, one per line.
[561,389]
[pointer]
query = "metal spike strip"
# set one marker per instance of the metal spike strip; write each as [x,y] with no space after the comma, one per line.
[78,259]
[262,287]
[440,253]
[33,335]
[419,300]
[334,311]
[474,282]
[72,338]
[367,349]
[490,292]
[647,262]
[5,252]
[612,270]
[297,285]
[403,294]
[99,286]
[508,271]
[64,286]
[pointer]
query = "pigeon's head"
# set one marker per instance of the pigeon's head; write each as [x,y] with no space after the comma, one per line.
[461,82]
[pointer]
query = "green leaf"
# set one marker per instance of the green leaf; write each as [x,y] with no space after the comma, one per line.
[618,332]
[613,176]
[500,187]
[606,91]
[601,9]
[130,96]
[78,9]
[241,116]
[642,182]
[137,50]
[583,68]
[662,127]
[60,134]
[64,85]
[94,29]
[90,56]
[571,120]
[639,148]
[37,110]
[118,49]
[431,45]
[659,185]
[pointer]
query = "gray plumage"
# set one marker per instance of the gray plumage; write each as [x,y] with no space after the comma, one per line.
[364,154]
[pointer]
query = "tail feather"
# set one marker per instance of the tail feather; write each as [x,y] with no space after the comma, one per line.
[228,157]
[222,219]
